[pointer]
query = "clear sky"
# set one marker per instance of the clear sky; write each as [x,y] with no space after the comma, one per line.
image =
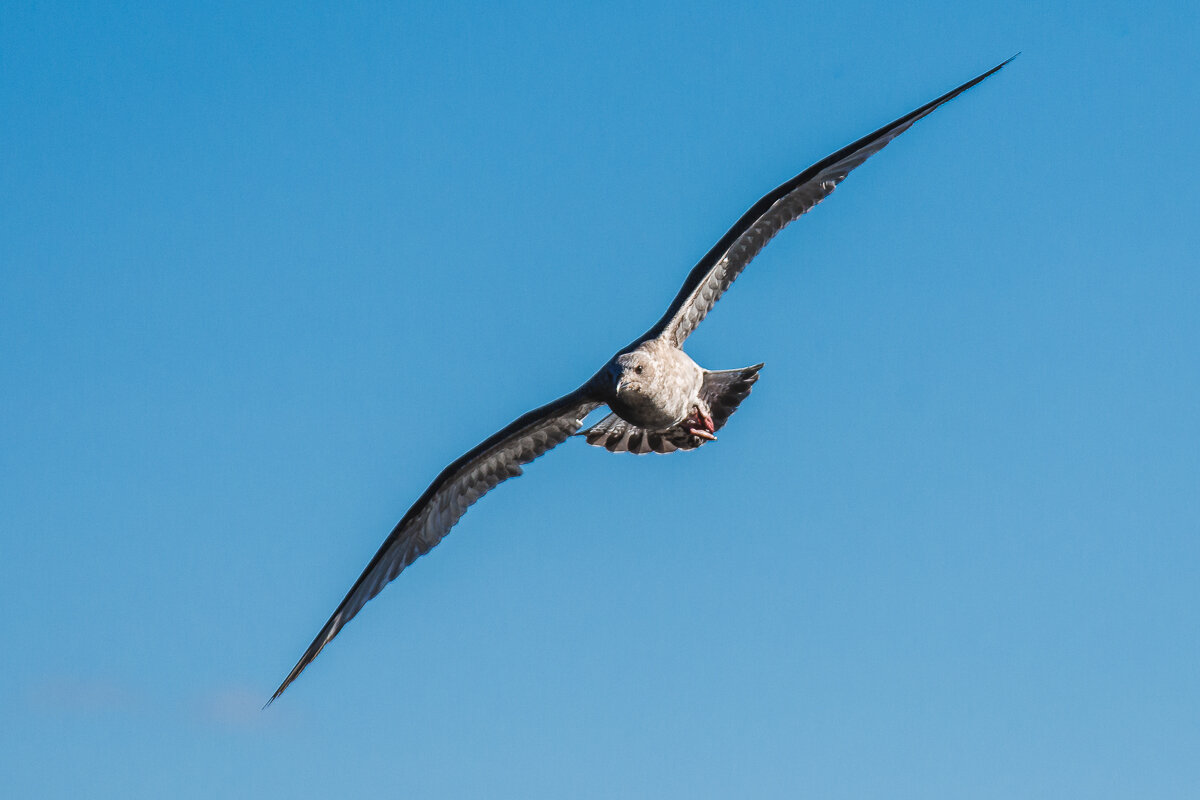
[265,270]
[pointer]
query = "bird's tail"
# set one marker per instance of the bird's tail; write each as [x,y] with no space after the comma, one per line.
[618,436]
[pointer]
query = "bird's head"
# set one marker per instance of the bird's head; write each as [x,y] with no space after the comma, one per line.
[635,374]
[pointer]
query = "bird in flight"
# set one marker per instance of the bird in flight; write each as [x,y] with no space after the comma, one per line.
[659,399]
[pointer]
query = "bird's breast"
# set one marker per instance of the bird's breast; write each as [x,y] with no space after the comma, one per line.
[652,412]
[665,402]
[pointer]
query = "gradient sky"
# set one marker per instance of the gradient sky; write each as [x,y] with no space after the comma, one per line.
[265,270]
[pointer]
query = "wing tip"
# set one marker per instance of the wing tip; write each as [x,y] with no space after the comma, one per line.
[314,649]
[973,82]
[1000,66]
[286,683]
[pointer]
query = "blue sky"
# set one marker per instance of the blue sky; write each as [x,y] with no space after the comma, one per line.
[264,272]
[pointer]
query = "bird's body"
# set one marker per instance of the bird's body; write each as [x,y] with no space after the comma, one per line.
[659,398]
[656,385]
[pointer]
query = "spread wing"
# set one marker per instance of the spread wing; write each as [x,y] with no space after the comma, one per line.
[457,487]
[709,279]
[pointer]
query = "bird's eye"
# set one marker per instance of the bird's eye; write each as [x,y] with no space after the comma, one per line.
[638,369]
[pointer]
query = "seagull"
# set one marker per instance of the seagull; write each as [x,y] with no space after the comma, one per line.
[659,399]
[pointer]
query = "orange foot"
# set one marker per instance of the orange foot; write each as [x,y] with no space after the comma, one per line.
[700,424]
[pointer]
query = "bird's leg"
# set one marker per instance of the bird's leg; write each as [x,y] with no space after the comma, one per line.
[699,423]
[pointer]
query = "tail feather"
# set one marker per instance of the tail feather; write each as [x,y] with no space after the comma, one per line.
[618,436]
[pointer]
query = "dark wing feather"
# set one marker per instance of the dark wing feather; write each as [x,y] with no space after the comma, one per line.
[709,279]
[457,487]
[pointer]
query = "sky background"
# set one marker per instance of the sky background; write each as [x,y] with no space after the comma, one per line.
[264,271]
